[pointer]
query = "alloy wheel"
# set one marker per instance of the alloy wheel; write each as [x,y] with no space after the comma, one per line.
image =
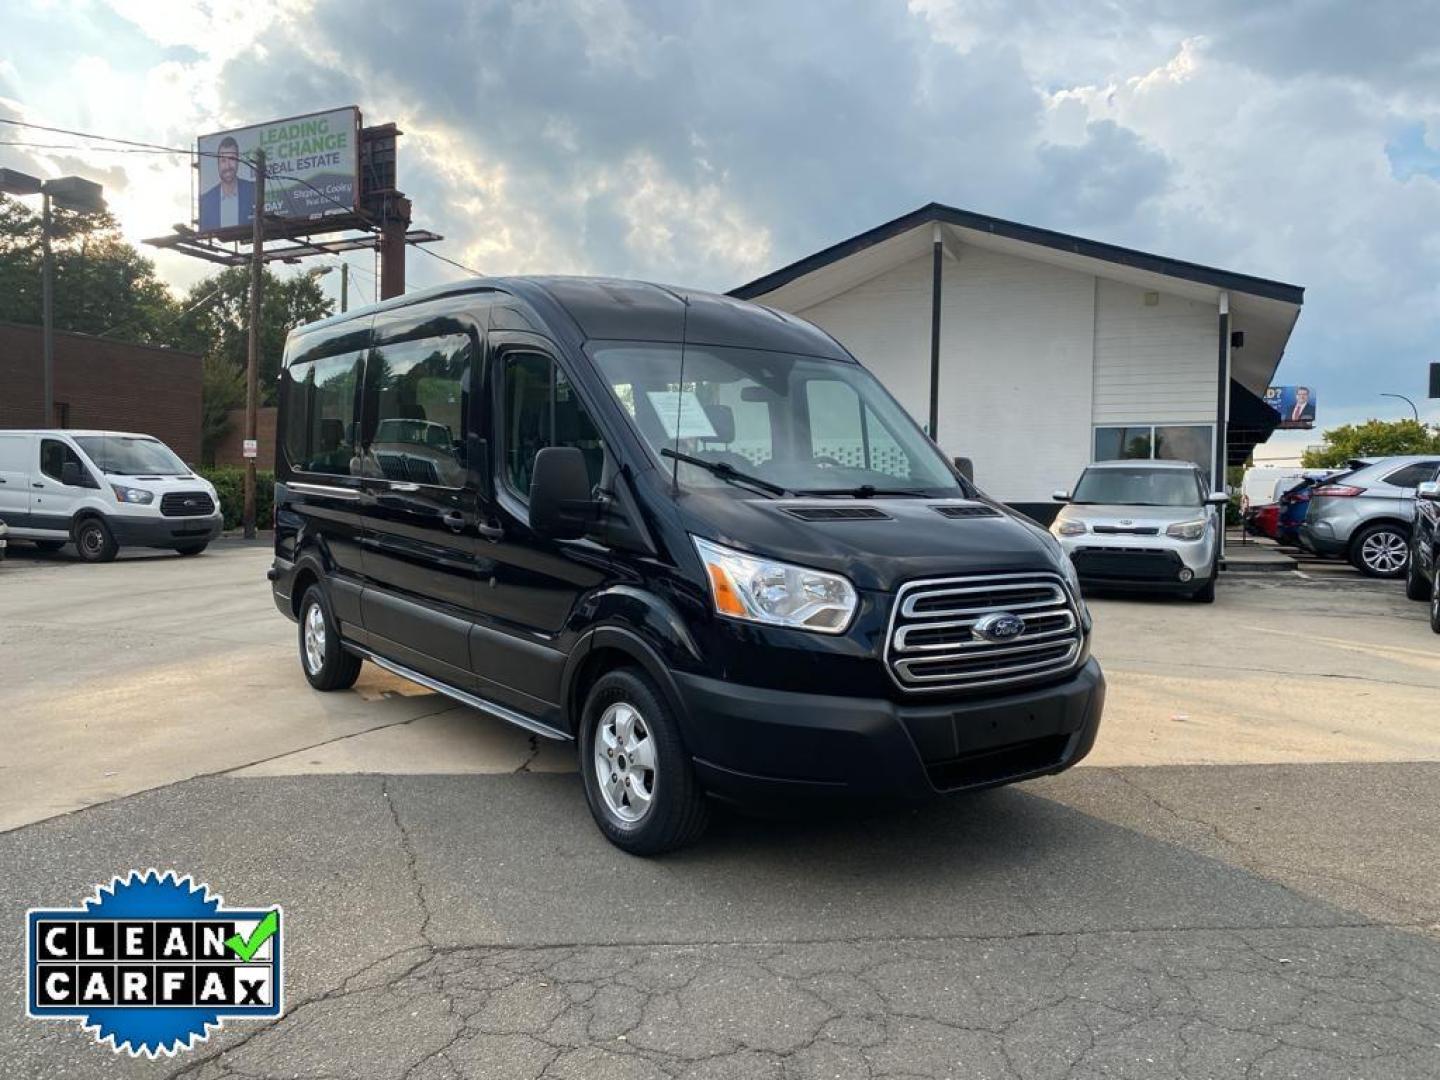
[1384,552]
[314,639]
[625,762]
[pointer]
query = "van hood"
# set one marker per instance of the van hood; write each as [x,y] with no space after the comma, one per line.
[915,538]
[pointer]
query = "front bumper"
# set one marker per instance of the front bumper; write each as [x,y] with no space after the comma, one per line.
[1142,562]
[754,744]
[163,532]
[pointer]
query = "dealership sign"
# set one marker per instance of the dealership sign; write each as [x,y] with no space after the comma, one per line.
[1295,404]
[312,170]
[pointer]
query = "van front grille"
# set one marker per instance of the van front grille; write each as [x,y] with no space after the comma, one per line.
[186,504]
[932,644]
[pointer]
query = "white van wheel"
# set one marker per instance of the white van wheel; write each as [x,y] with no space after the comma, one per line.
[93,541]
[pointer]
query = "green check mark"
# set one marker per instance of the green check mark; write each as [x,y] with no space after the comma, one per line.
[246,948]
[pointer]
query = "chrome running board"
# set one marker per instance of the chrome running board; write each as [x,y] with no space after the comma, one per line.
[500,712]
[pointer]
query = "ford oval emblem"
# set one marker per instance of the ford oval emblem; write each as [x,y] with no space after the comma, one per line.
[999,626]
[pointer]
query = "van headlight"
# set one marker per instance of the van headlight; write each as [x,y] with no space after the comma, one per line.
[1070,528]
[132,495]
[764,591]
[1187,530]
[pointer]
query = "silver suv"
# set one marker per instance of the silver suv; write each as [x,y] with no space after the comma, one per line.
[1149,525]
[1365,515]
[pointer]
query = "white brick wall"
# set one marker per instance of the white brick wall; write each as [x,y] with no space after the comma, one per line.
[1015,361]
[1153,364]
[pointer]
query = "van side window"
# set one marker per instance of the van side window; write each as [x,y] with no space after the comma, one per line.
[55,455]
[542,409]
[320,407]
[418,398]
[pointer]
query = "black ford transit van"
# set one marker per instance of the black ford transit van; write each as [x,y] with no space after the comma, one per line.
[690,534]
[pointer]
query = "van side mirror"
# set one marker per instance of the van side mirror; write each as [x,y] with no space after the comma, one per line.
[1060,496]
[1217,498]
[1429,491]
[73,475]
[966,468]
[560,503]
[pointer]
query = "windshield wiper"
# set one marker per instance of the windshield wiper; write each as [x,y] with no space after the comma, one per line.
[867,491]
[725,472]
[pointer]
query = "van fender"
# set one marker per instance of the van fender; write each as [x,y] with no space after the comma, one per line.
[658,658]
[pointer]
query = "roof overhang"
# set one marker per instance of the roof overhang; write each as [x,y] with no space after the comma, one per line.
[1265,310]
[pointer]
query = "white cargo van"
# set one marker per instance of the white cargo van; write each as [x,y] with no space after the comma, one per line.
[103,490]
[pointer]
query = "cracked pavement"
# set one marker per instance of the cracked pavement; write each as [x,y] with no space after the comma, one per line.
[1214,898]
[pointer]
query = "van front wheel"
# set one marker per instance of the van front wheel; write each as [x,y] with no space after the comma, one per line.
[638,779]
[93,541]
[326,663]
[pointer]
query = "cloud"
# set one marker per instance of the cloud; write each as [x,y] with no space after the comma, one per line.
[708,142]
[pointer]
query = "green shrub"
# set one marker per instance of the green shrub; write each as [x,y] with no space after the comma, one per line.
[229,481]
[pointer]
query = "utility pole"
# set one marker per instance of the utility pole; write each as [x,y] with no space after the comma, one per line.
[47,314]
[252,359]
[344,287]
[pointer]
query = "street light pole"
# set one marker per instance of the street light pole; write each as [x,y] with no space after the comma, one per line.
[47,315]
[252,356]
[344,287]
[1407,401]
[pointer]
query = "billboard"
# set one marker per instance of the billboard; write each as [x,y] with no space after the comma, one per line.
[312,170]
[1295,404]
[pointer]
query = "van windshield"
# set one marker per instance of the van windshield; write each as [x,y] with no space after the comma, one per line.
[128,455]
[798,423]
[1138,486]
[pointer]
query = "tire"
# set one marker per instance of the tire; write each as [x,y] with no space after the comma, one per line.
[93,541]
[191,549]
[1206,593]
[1416,587]
[627,730]
[1380,551]
[1435,599]
[326,664]
[49,545]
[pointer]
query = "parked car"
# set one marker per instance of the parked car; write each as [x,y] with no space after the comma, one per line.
[103,490]
[1281,520]
[1154,526]
[1365,515]
[1422,571]
[691,535]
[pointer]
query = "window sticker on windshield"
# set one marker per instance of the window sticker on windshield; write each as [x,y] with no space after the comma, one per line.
[681,413]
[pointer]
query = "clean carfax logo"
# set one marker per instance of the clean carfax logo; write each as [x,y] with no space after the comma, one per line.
[151,963]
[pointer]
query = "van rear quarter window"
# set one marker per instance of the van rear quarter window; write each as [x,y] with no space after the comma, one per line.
[319,423]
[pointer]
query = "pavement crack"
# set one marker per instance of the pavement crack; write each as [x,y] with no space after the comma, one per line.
[412,865]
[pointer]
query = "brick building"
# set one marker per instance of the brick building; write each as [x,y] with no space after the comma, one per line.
[104,385]
[230,448]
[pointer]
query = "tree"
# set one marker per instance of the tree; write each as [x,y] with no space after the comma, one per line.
[1373,438]
[216,322]
[103,285]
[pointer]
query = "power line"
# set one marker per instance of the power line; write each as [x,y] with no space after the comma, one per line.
[145,147]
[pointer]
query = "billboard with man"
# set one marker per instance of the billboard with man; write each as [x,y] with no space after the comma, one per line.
[1295,404]
[312,166]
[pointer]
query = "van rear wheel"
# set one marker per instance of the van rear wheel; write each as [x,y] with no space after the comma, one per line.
[324,660]
[93,541]
[638,778]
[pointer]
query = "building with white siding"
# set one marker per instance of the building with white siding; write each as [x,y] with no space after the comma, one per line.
[1032,352]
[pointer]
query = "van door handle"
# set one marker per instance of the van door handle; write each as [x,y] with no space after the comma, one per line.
[454,520]
[490,532]
[40,486]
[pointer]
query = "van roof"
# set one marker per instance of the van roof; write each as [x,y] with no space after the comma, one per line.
[78,431]
[621,309]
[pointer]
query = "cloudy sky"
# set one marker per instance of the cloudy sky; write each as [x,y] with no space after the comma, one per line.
[706,142]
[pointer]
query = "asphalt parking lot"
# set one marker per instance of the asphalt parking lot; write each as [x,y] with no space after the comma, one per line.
[1241,881]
